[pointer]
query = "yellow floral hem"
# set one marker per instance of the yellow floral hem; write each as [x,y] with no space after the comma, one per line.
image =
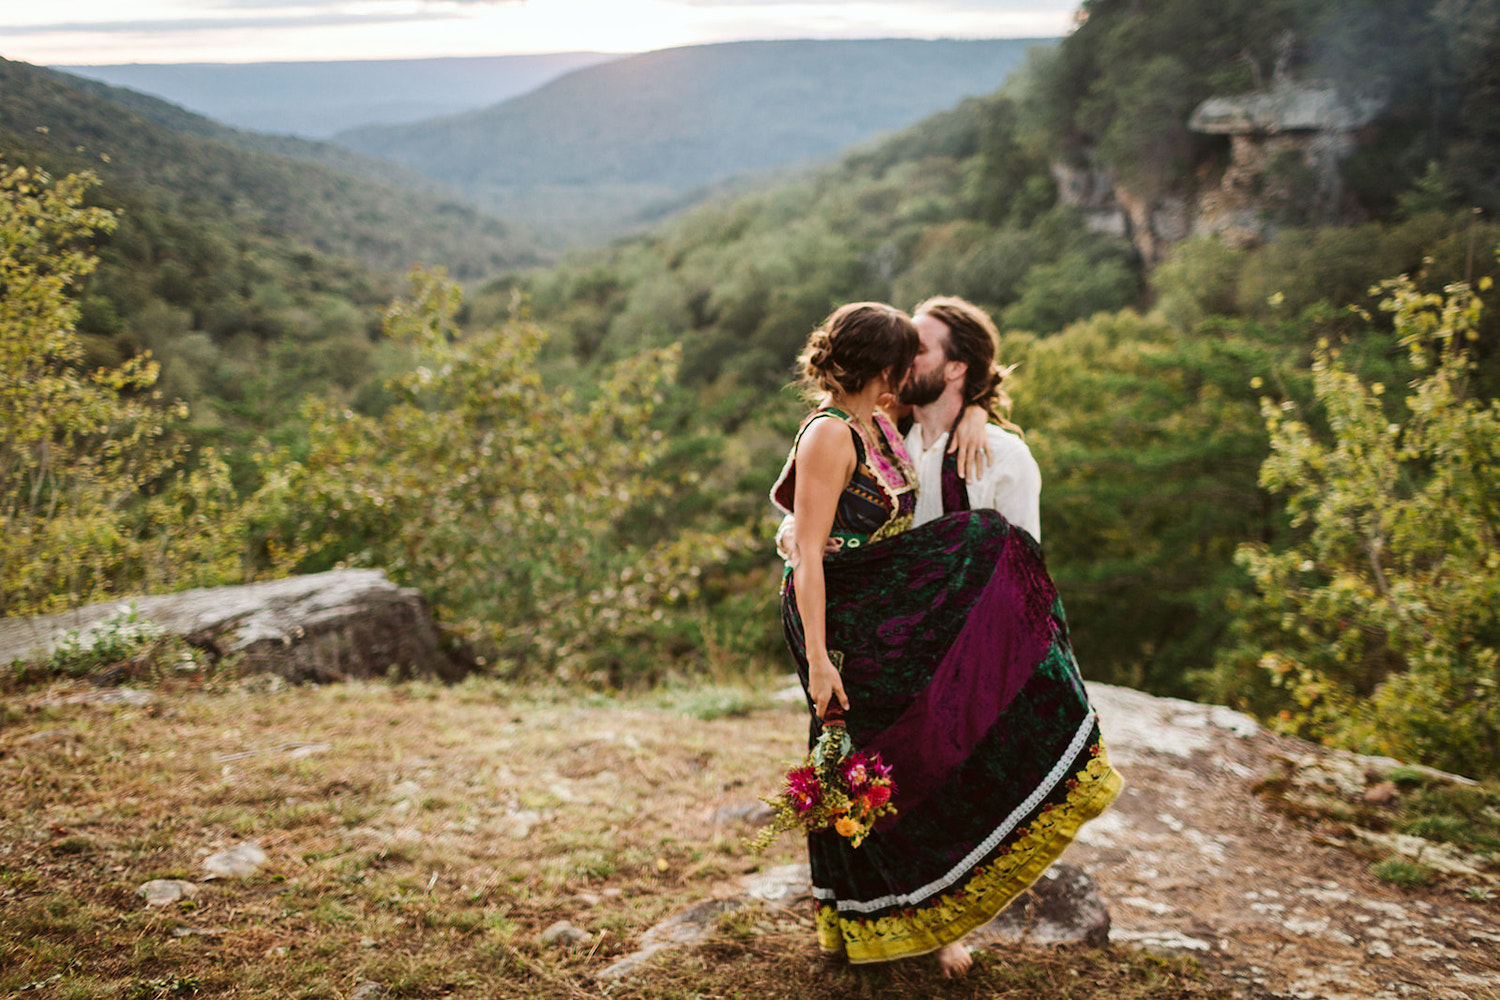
[991,887]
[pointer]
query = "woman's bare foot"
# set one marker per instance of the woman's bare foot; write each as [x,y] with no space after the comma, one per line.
[954,959]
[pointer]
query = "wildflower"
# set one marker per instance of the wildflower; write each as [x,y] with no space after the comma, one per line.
[803,789]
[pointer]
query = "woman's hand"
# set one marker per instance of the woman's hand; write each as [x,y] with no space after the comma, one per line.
[972,443]
[824,684]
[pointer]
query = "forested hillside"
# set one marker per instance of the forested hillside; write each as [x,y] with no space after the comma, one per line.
[253,277]
[591,150]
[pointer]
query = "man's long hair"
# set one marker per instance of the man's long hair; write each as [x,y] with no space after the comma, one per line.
[974,340]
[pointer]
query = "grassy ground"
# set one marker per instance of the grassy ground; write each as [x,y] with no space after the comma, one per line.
[422,837]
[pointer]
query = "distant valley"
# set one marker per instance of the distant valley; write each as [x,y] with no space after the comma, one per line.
[314,100]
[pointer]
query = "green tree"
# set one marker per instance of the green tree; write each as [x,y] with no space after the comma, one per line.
[91,500]
[506,500]
[1149,441]
[1379,630]
[71,441]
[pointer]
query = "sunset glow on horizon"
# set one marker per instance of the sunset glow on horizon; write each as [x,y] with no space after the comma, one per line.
[83,32]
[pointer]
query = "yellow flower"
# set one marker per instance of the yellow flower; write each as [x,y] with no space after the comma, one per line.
[846,826]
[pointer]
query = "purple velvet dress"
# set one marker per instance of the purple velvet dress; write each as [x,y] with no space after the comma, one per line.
[959,672]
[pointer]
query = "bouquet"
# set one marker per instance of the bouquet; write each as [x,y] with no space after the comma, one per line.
[835,785]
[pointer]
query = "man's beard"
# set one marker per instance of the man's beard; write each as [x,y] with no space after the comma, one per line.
[921,391]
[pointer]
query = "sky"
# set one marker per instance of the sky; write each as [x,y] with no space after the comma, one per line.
[81,32]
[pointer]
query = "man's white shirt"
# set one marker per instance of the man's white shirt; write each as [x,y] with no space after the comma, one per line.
[1011,484]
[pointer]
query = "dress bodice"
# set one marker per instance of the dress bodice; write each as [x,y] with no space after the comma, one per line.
[881,496]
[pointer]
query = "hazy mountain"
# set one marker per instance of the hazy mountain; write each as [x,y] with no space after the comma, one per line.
[186,166]
[317,99]
[593,149]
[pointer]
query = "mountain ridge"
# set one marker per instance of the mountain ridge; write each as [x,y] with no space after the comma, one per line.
[602,144]
[317,98]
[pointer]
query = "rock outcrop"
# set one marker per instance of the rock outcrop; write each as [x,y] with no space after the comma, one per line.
[1286,147]
[323,627]
[1287,143]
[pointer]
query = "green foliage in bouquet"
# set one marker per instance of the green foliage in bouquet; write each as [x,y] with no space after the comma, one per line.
[1381,626]
[835,785]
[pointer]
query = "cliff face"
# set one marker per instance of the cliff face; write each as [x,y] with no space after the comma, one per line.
[1286,149]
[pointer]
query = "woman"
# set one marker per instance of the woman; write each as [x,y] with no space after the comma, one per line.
[946,651]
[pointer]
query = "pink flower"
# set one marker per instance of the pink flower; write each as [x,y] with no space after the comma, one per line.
[802,789]
[855,772]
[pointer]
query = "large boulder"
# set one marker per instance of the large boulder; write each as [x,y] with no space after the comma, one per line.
[330,626]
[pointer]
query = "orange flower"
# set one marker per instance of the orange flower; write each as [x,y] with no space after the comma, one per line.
[846,827]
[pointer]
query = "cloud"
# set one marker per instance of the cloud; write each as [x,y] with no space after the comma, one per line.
[179,25]
[317,14]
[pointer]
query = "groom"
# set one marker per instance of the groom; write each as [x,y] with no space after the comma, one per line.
[956,365]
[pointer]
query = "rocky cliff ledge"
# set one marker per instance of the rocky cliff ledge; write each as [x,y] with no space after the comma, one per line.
[1191,860]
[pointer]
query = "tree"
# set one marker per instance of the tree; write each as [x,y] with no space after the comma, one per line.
[1149,442]
[1379,630]
[91,500]
[506,500]
[74,445]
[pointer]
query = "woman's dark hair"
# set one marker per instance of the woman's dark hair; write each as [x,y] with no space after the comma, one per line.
[973,339]
[856,343]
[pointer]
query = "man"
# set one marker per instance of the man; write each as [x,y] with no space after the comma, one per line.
[956,366]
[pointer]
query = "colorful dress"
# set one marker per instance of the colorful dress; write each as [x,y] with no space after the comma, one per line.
[954,653]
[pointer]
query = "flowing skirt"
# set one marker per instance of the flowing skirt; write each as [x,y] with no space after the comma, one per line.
[959,672]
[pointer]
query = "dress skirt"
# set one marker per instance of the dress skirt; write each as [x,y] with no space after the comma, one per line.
[959,672]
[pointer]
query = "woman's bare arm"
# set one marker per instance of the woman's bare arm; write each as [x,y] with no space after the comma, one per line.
[972,443]
[825,463]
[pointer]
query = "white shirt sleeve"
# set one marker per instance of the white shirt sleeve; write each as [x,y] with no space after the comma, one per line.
[1012,484]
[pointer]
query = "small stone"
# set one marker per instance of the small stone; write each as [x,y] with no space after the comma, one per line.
[519,824]
[240,861]
[367,991]
[407,789]
[1382,794]
[750,811]
[183,932]
[166,891]
[49,737]
[784,884]
[563,933]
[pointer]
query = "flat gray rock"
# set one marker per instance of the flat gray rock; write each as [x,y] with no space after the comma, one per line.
[166,891]
[239,861]
[322,627]
[1063,907]
[563,933]
[783,885]
[752,812]
[690,926]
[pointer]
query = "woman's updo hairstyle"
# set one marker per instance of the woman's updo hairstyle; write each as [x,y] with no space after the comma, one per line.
[856,343]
